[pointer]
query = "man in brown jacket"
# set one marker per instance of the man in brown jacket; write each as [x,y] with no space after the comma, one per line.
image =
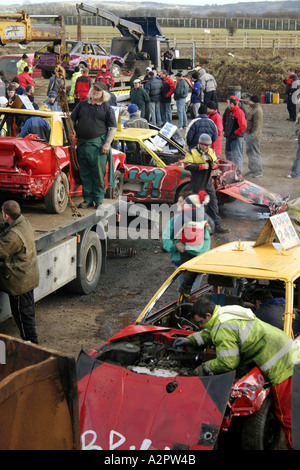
[19,273]
[252,137]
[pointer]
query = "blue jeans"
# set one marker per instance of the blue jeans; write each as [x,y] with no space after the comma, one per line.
[235,154]
[166,112]
[197,283]
[295,173]
[182,118]
[155,113]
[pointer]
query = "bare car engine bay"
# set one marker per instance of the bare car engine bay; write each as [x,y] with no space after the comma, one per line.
[151,354]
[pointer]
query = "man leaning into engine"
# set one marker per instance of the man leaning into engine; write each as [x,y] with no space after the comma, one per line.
[239,336]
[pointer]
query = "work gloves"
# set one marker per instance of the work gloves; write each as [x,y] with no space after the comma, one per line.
[182,343]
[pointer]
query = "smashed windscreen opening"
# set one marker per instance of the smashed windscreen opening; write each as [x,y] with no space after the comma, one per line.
[166,301]
[166,310]
[20,125]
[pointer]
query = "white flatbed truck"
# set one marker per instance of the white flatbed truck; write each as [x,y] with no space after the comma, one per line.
[69,250]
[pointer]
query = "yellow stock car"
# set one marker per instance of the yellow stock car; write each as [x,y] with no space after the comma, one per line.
[138,371]
[233,272]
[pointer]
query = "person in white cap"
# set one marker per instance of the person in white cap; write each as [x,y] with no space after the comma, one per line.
[200,161]
[147,76]
[3,101]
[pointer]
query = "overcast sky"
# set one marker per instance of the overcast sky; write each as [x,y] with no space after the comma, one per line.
[171,2]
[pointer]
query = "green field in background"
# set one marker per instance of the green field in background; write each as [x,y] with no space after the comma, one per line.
[196,34]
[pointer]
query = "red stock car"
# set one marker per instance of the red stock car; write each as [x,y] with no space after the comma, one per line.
[78,53]
[154,172]
[137,391]
[32,167]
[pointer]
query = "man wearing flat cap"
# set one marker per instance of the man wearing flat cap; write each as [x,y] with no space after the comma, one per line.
[252,137]
[139,96]
[95,125]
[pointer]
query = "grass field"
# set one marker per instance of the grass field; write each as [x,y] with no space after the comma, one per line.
[203,38]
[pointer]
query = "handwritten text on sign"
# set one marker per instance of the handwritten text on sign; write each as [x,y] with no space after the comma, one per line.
[285,230]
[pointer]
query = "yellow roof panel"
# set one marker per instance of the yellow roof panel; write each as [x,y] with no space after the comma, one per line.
[135,133]
[242,259]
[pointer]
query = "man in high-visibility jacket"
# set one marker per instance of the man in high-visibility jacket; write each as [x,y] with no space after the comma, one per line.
[22,63]
[77,73]
[239,336]
[200,161]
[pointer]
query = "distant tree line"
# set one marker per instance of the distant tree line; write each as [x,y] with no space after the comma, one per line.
[175,17]
[157,11]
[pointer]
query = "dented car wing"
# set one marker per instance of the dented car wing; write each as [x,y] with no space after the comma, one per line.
[146,412]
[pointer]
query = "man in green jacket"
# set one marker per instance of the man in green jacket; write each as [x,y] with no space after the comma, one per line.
[239,336]
[140,97]
[180,94]
[19,273]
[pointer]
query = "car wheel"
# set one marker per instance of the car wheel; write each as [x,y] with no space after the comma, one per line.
[88,265]
[184,187]
[115,70]
[117,191]
[56,199]
[261,430]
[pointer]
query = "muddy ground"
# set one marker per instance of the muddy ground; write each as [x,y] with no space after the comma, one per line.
[69,323]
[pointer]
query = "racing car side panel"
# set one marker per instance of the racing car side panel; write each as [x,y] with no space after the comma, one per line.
[148,183]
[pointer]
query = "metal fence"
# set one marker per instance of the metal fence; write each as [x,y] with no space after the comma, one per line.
[271,24]
[204,40]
